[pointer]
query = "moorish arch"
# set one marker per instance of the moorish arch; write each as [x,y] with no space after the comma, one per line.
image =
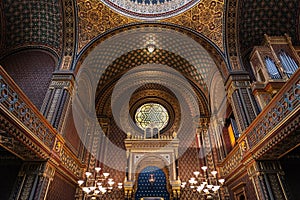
[189,87]
[124,74]
[144,28]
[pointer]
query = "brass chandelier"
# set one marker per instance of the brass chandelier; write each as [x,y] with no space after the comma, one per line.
[207,184]
[96,184]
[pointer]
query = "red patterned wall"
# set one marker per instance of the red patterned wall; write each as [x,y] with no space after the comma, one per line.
[60,189]
[188,163]
[248,187]
[32,71]
[70,132]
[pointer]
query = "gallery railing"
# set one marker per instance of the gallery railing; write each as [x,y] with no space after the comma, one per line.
[37,133]
[17,105]
[284,106]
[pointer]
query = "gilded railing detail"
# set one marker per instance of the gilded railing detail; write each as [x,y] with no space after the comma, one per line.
[36,132]
[262,129]
[16,102]
[281,106]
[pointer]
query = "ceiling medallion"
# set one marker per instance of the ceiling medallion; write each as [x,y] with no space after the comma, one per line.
[150,9]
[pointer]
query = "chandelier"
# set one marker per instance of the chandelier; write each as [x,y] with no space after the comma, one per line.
[96,184]
[207,184]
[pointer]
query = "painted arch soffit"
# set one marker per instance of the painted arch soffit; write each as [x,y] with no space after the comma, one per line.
[104,54]
[96,18]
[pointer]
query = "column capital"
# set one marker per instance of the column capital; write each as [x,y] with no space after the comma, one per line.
[62,80]
[237,79]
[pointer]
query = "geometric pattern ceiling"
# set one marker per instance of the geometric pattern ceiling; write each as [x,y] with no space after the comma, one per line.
[275,18]
[32,22]
[95,18]
[128,49]
[142,56]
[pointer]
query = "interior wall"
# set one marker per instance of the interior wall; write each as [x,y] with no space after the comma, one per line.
[60,189]
[32,71]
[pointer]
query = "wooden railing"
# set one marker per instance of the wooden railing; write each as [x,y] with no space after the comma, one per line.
[20,111]
[282,107]
[17,105]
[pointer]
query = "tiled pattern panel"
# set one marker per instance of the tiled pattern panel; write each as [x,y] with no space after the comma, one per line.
[33,22]
[96,18]
[32,71]
[71,134]
[156,189]
[188,163]
[206,18]
[173,49]
[115,158]
[60,189]
[271,17]
[159,56]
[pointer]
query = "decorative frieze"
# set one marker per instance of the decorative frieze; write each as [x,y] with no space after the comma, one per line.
[232,162]
[287,101]
[70,162]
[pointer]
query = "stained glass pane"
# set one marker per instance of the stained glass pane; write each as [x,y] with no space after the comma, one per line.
[151,114]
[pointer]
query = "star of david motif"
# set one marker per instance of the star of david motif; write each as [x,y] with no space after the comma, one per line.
[151,113]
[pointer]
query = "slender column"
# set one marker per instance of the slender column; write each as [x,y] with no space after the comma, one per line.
[244,106]
[105,125]
[96,143]
[57,99]
[268,180]
[206,144]
[33,181]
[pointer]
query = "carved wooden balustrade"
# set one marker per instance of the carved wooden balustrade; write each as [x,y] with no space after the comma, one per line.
[27,133]
[278,121]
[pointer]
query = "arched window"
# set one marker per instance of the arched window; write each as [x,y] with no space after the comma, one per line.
[155,132]
[288,63]
[272,69]
[148,133]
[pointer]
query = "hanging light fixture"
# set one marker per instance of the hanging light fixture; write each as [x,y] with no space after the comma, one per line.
[97,184]
[207,184]
[150,47]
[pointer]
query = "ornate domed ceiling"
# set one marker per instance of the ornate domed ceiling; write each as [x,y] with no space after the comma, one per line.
[150,9]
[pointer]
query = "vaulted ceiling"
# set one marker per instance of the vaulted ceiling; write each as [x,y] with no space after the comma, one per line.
[274,18]
[53,24]
[31,23]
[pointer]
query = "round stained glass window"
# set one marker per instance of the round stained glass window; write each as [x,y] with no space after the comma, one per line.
[152,114]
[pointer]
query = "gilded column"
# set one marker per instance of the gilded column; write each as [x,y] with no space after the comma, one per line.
[58,98]
[33,181]
[205,144]
[268,180]
[244,106]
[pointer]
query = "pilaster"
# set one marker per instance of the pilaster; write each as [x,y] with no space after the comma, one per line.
[33,181]
[268,180]
[240,96]
[57,98]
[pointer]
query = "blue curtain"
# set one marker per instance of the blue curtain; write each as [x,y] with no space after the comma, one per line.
[157,189]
